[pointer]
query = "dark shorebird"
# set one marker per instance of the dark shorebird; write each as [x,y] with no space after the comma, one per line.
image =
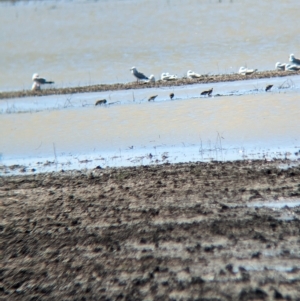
[268,87]
[172,95]
[207,92]
[38,81]
[100,102]
[152,97]
[138,75]
[294,60]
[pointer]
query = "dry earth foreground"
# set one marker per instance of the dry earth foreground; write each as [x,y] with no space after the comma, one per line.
[163,232]
[204,79]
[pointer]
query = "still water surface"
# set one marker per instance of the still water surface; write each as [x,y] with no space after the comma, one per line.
[89,42]
[252,125]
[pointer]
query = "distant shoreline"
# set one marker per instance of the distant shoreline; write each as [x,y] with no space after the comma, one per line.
[204,79]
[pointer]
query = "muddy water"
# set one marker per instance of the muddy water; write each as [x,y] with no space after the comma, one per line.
[86,42]
[188,128]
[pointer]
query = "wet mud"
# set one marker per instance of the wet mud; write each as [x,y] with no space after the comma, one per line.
[204,79]
[163,232]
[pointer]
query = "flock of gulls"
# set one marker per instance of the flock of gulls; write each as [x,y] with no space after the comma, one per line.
[293,65]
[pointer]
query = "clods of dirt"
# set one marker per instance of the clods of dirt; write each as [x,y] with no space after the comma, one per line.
[166,232]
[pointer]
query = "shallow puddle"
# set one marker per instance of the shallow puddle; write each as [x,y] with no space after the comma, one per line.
[278,204]
[264,267]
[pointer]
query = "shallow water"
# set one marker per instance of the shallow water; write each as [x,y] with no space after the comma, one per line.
[88,42]
[249,120]
[279,204]
[100,45]
[129,131]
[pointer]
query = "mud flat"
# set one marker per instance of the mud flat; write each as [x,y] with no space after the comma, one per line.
[187,231]
[204,79]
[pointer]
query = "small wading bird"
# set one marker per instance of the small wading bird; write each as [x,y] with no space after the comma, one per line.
[38,81]
[294,60]
[171,95]
[100,102]
[279,66]
[268,88]
[246,71]
[152,97]
[138,75]
[207,92]
[192,74]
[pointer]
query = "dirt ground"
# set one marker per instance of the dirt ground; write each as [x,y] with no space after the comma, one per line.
[204,79]
[163,232]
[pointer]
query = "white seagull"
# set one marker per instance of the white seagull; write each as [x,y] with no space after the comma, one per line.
[279,66]
[246,71]
[294,60]
[38,81]
[35,86]
[138,75]
[167,76]
[290,67]
[151,78]
[192,74]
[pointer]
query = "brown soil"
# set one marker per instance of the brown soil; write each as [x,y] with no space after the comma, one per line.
[165,232]
[204,79]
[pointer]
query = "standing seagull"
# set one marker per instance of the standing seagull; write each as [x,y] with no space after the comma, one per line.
[38,81]
[36,86]
[268,87]
[138,75]
[294,60]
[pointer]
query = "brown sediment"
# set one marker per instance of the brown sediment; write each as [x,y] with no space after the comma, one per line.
[161,232]
[204,79]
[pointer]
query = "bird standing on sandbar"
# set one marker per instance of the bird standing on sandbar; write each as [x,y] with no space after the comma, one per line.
[38,81]
[207,92]
[138,75]
[268,88]
[294,60]
[152,97]
[172,95]
[36,86]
